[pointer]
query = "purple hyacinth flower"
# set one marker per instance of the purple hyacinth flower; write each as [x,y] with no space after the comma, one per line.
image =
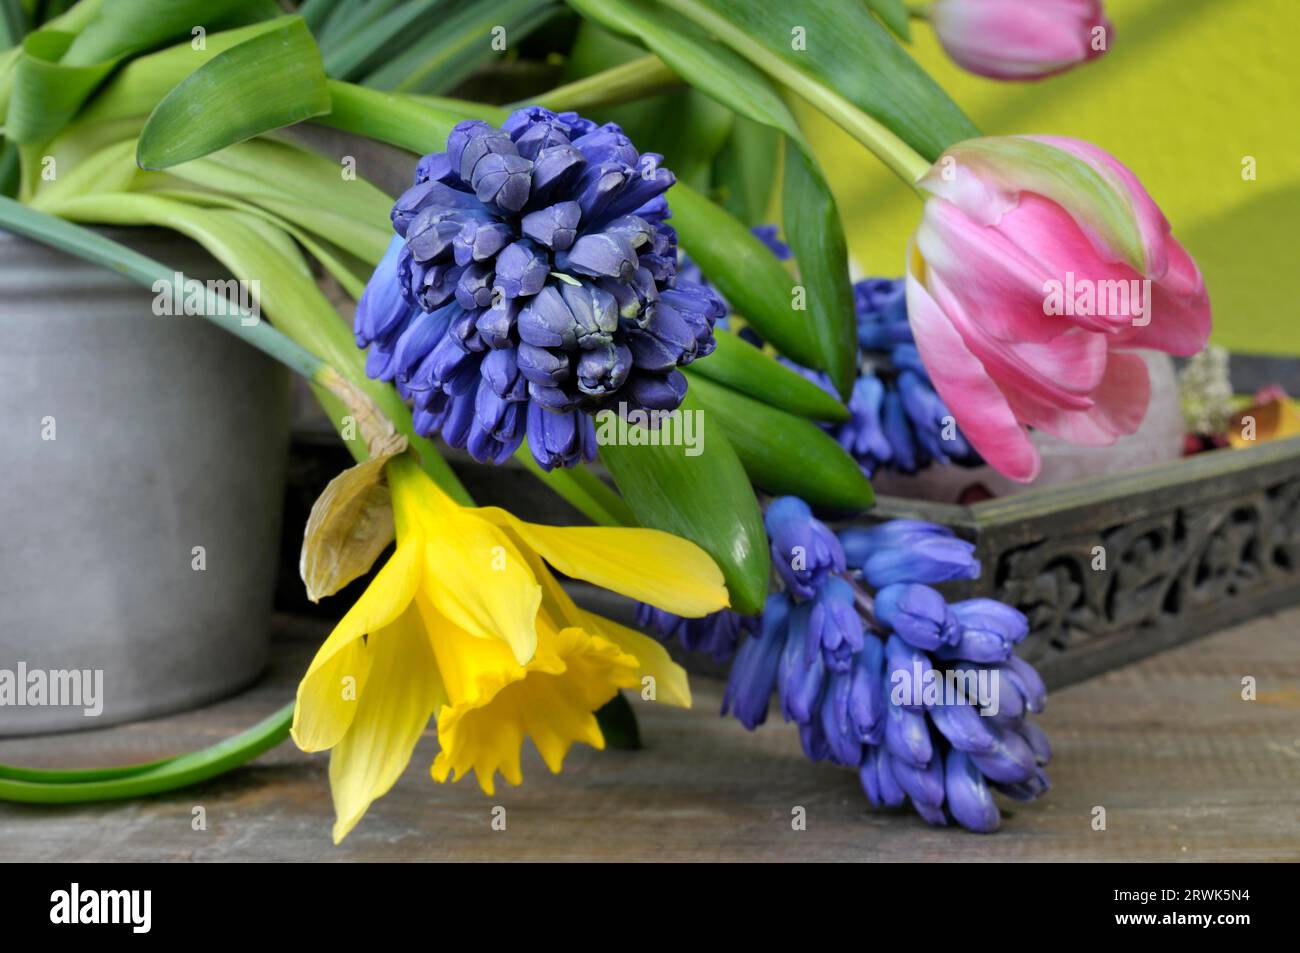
[382,306]
[1009,761]
[549,235]
[907,735]
[868,700]
[863,435]
[930,560]
[969,799]
[842,741]
[503,181]
[834,626]
[963,726]
[801,673]
[1025,680]
[919,615]
[924,785]
[555,226]
[989,631]
[804,550]
[559,439]
[754,671]
[878,781]
[859,542]
[906,452]
[651,391]
[907,671]
[881,305]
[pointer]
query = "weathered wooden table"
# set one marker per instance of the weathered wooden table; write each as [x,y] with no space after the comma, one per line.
[1185,768]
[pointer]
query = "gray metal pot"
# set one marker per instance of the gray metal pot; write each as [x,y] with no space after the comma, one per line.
[129,440]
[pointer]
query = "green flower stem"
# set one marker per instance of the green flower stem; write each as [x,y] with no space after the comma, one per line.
[72,787]
[919,10]
[629,81]
[407,122]
[901,158]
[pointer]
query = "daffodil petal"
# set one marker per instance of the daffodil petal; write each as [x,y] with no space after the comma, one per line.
[401,694]
[327,699]
[324,710]
[479,580]
[670,684]
[551,700]
[645,564]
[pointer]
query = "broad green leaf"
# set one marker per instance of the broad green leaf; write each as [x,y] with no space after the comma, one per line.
[746,369]
[46,93]
[850,67]
[893,14]
[61,65]
[459,43]
[785,454]
[14,23]
[745,172]
[273,80]
[124,27]
[705,498]
[140,85]
[291,182]
[813,229]
[375,35]
[745,271]
[318,12]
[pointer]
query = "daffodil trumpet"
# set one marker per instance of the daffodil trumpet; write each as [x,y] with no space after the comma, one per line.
[466,624]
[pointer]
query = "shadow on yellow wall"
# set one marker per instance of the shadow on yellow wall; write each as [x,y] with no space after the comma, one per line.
[1189,90]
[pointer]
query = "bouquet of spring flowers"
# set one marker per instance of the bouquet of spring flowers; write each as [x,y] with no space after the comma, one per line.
[578,283]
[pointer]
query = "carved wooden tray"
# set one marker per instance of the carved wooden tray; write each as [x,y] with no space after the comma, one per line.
[1187,547]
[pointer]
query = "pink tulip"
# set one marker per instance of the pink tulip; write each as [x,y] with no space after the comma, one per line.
[1039,264]
[1020,39]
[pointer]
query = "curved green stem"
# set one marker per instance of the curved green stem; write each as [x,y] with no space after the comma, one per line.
[72,787]
[628,81]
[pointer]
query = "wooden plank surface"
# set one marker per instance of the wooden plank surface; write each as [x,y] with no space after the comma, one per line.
[1185,769]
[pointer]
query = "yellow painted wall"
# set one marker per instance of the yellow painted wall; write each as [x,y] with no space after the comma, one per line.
[1187,90]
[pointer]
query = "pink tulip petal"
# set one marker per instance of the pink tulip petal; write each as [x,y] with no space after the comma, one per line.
[1151,222]
[1061,372]
[1009,39]
[1047,234]
[1122,399]
[987,267]
[979,406]
[1180,318]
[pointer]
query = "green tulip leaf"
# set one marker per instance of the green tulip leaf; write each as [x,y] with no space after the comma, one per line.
[273,80]
[746,369]
[705,498]
[785,454]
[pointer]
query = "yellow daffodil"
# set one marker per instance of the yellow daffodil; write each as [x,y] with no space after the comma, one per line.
[466,621]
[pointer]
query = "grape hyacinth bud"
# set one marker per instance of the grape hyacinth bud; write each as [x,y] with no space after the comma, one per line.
[533,282]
